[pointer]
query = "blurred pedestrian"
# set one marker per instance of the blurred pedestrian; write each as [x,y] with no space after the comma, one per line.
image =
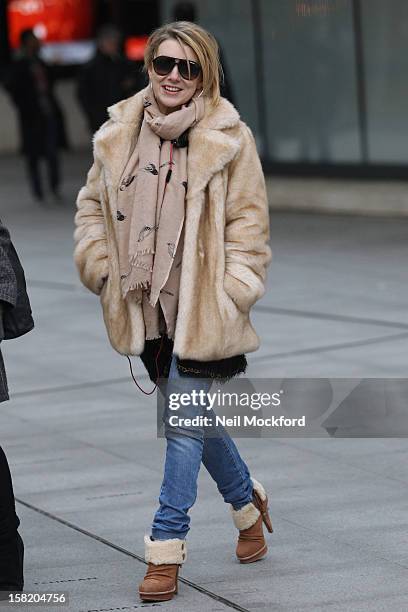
[172,231]
[187,11]
[107,78]
[15,320]
[30,84]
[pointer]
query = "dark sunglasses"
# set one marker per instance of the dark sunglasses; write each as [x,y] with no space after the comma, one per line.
[163,64]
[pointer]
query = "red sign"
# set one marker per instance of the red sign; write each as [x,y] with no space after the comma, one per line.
[51,20]
[135,47]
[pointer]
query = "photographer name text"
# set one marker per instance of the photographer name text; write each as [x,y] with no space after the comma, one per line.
[236,421]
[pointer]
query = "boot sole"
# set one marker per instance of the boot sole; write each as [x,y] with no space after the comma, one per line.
[161,596]
[255,556]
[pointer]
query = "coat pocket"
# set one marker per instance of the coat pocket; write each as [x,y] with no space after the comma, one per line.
[243,294]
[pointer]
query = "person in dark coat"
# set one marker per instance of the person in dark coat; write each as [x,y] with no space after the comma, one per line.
[11,543]
[107,78]
[29,81]
[187,11]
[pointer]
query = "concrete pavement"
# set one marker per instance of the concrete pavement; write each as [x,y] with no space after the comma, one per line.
[87,465]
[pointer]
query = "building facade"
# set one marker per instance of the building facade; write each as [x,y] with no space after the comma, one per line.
[322,83]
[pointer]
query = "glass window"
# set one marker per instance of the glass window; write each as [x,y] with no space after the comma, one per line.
[385,37]
[310,83]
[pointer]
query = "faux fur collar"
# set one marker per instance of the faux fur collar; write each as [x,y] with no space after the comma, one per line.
[213,142]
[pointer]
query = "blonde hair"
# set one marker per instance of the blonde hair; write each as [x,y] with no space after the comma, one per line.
[201,42]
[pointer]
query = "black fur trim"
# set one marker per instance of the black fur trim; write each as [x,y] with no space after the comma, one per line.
[222,369]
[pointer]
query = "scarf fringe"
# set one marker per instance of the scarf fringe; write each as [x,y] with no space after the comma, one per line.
[133,258]
[139,285]
[141,264]
[128,285]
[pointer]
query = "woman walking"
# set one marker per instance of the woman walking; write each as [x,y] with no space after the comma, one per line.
[172,232]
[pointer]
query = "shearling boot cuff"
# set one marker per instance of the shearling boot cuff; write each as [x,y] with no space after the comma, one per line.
[161,552]
[259,489]
[247,516]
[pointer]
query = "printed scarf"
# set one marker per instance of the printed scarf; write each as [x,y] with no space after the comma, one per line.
[151,209]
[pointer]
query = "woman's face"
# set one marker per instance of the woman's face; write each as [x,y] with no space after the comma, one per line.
[182,90]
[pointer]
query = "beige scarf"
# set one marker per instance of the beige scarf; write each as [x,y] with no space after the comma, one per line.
[151,208]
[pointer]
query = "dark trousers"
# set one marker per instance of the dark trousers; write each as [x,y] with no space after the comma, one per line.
[33,159]
[11,544]
[9,520]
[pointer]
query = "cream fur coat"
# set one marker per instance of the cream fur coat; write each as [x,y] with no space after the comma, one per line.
[226,250]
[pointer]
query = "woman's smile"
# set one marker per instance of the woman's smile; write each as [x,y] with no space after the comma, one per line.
[171,90]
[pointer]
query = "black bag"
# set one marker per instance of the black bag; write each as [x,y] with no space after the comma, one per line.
[17,320]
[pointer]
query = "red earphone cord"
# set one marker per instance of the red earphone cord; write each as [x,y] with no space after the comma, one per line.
[161,343]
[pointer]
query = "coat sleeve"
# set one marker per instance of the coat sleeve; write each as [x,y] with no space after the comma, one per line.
[8,281]
[247,252]
[91,251]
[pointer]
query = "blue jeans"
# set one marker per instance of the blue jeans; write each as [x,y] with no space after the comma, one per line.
[186,448]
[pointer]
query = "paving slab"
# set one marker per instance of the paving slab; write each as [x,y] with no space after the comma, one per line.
[95,576]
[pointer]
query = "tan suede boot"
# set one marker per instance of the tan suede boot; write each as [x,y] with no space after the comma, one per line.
[251,544]
[164,557]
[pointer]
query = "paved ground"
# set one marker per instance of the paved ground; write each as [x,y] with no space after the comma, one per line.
[87,464]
